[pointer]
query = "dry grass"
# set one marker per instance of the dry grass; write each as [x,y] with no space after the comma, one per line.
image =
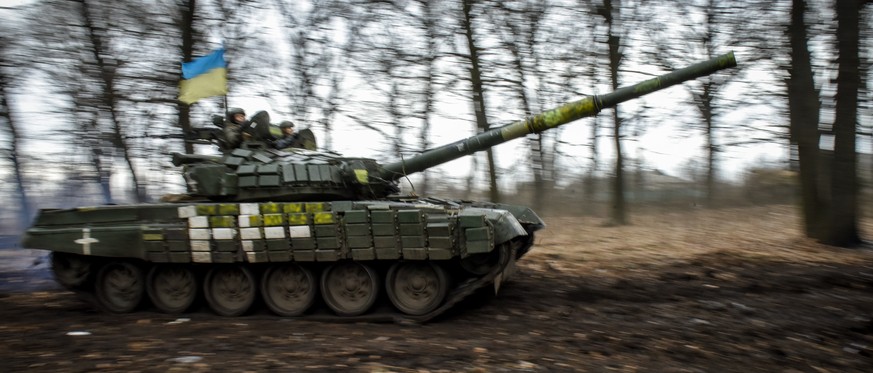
[767,232]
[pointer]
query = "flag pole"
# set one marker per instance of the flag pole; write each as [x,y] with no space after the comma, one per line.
[226,74]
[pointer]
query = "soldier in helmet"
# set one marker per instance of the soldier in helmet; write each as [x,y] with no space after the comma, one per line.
[234,129]
[289,139]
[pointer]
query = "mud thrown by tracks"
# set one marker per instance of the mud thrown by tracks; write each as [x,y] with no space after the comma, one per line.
[674,292]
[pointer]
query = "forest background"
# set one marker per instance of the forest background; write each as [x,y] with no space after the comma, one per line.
[89,111]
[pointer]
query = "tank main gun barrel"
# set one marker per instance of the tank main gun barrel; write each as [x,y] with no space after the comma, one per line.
[564,114]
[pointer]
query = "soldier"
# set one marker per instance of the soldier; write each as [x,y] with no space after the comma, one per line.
[234,128]
[289,138]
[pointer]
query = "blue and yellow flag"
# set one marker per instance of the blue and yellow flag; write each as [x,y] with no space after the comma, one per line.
[204,77]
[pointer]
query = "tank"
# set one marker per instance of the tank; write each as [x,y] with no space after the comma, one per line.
[311,234]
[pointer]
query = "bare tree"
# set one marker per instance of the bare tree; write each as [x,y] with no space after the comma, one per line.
[478,91]
[12,152]
[842,218]
[315,61]
[106,68]
[610,10]
[708,27]
[803,109]
[523,23]
[185,24]
[385,63]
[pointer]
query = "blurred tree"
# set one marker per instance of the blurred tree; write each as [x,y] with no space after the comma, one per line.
[593,171]
[106,64]
[803,110]
[76,108]
[842,217]
[478,90]
[522,24]
[83,54]
[829,180]
[866,100]
[383,60]
[434,36]
[12,152]
[708,28]
[610,10]
[315,55]
[242,28]
[184,21]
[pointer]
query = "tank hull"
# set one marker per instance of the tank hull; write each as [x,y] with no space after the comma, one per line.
[468,246]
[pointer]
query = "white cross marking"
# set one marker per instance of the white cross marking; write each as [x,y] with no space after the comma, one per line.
[86,241]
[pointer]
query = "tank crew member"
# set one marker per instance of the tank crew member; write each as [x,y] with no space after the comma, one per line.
[234,129]
[289,139]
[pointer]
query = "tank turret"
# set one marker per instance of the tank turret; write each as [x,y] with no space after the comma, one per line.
[257,172]
[311,233]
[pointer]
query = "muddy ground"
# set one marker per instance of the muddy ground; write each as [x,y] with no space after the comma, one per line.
[687,291]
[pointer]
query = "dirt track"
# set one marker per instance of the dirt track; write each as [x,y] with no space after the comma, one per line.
[690,291]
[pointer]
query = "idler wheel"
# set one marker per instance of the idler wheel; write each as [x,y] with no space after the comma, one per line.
[288,289]
[172,288]
[119,287]
[349,288]
[70,270]
[230,290]
[417,288]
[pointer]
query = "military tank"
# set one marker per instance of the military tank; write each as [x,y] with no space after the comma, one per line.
[306,230]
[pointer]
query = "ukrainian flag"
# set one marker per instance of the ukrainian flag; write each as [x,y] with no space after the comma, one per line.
[204,77]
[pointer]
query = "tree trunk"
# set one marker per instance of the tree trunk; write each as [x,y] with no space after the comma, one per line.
[331,108]
[538,160]
[704,105]
[591,178]
[618,213]
[535,141]
[843,217]
[479,98]
[619,209]
[102,172]
[803,108]
[703,99]
[429,93]
[14,157]
[186,26]
[107,77]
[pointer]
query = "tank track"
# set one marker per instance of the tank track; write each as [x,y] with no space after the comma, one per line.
[498,273]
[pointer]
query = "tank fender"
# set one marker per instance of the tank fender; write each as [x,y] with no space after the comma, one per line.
[525,215]
[506,226]
[121,241]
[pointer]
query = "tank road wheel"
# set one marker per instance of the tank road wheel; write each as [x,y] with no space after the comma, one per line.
[230,290]
[349,288]
[288,289]
[171,288]
[70,270]
[417,288]
[119,287]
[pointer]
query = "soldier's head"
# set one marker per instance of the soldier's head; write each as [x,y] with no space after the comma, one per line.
[236,115]
[287,127]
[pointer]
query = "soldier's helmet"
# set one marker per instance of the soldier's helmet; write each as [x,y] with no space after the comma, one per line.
[234,111]
[286,124]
